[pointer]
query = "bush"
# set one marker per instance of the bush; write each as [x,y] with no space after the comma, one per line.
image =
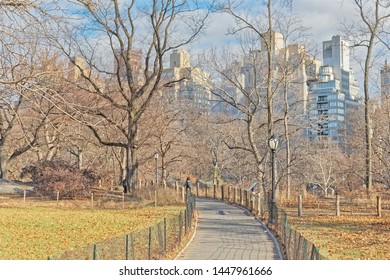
[49,177]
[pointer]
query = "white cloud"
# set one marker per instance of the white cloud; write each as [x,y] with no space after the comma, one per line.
[324,17]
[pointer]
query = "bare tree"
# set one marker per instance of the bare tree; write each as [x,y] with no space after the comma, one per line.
[263,29]
[296,57]
[22,75]
[250,86]
[121,92]
[326,168]
[365,32]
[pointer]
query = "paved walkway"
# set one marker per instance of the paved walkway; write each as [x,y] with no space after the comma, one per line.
[227,232]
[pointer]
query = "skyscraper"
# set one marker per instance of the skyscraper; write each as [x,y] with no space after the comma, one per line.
[334,93]
[336,53]
[327,107]
[385,82]
[188,83]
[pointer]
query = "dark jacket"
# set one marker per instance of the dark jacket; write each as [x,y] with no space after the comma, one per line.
[188,184]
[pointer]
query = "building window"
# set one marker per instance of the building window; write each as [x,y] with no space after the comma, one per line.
[322,106]
[323,112]
[322,98]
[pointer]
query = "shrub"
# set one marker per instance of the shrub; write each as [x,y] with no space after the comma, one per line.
[49,177]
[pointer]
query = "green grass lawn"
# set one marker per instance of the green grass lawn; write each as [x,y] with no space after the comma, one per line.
[38,232]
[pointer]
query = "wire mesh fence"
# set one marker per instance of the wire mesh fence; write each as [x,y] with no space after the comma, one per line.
[313,205]
[98,198]
[296,247]
[150,243]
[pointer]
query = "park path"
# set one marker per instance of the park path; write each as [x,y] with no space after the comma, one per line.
[227,232]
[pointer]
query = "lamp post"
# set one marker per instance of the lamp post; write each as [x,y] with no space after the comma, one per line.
[273,143]
[156,161]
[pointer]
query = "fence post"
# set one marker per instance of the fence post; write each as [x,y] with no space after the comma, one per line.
[24,196]
[215,191]
[94,256]
[252,201]
[150,244]
[298,247]
[223,192]
[185,221]
[92,200]
[127,247]
[289,243]
[183,194]
[304,249]
[313,252]
[300,205]
[379,206]
[337,205]
[165,235]
[155,198]
[180,226]
[197,189]
[259,204]
[58,196]
[241,202]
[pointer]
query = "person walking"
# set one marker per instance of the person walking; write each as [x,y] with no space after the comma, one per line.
[188,186]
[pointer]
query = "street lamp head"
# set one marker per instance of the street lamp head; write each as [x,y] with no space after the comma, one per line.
[156,156]
[273,142]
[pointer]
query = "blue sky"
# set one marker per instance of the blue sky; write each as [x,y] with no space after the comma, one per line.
[324,17]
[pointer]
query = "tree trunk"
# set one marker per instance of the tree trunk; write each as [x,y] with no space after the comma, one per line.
[80,158]
[3,165]
[122,165]
[163,168]
[131,181]
[287,136]
[270,53]
[367,115]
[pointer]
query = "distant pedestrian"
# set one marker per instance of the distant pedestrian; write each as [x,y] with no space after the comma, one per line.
[188,184]
[188,187]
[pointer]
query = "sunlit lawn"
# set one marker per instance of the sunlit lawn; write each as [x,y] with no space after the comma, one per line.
[347,237]
[38,232]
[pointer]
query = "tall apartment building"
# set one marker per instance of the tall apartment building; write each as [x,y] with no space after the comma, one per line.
[333,94]
[385,82]
[336,53]
[327,108]
[293,67]
[76,66]
[192,83]
[292,64]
